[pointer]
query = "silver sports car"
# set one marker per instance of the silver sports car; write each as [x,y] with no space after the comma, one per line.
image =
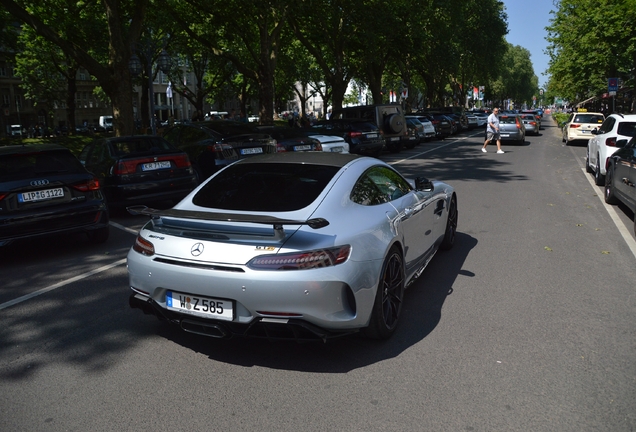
[304,245]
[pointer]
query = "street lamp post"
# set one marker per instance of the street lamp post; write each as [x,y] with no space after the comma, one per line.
[135,66]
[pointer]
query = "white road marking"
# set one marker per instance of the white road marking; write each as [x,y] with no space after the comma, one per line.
[73,279]
[61,284]
[622,229]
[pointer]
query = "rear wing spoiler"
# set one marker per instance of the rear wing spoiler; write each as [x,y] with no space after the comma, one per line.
[277,223]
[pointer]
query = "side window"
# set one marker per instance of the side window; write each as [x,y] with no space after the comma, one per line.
[379,185]
[84,154]
[172,135]
[192,135]
[607,125]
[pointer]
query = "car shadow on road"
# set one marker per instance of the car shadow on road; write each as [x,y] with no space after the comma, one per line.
[421,314]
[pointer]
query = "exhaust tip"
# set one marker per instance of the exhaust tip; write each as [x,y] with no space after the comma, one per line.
[204,329]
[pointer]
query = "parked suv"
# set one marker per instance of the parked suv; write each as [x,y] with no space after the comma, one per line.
[605,141]
[389,119]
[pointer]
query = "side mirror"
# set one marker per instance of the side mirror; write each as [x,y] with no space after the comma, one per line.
[595,131]
[423,184]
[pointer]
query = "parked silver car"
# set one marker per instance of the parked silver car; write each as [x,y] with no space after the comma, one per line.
[304,245]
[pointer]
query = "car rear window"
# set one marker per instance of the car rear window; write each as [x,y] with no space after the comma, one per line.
[140,146]
[26,165]
[507,120]
[627,128]
[265,187]
[588,118]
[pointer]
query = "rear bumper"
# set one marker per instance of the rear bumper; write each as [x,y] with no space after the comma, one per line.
[262,328]
[65,220]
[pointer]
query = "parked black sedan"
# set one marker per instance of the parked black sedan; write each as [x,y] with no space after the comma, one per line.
[45,190]
[212,145]
[139,169]
[620,180]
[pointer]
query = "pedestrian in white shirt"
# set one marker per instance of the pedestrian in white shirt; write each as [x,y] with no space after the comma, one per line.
[492,131]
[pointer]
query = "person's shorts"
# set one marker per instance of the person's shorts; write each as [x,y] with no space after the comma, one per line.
[492,136]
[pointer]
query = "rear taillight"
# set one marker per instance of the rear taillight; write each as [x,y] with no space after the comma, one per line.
[181,161]
[2,196]
[518,123]
[90,185]
[143,246]
[574,126]
[317,146]
[532,123]
[218,148]
[354,134]
[610,142]
[125,167]
[280,148]
[302,260]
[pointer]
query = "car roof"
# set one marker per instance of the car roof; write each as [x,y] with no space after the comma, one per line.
[310,158]
[30,148]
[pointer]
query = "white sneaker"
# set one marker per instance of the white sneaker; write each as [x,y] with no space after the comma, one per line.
[484,150]
[500,151]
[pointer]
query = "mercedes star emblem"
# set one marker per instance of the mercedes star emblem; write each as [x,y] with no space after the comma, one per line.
[197,249]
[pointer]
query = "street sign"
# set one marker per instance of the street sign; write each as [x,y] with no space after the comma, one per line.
[612,85]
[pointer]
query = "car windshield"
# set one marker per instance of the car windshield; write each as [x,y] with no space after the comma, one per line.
[588,118]
[274,187]
[627,129]
[26,165]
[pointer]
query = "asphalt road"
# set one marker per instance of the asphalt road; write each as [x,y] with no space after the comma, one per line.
[528,324]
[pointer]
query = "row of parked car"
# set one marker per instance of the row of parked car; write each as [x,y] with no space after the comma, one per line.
[48,183]
[611,152]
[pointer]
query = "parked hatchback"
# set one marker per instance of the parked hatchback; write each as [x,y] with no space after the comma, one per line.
[511,128]
[530,123]
[139,169]
[45,190]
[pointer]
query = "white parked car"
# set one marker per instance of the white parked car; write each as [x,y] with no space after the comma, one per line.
[604,143]
[580,126]
[429,129]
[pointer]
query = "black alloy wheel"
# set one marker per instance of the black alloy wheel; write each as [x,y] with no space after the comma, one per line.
[388,300]
[451,226]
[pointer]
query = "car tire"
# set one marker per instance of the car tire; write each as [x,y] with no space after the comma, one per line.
[609,195]
[451,226]
[599,178]
[588,168]
[99,235]
[388,298]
